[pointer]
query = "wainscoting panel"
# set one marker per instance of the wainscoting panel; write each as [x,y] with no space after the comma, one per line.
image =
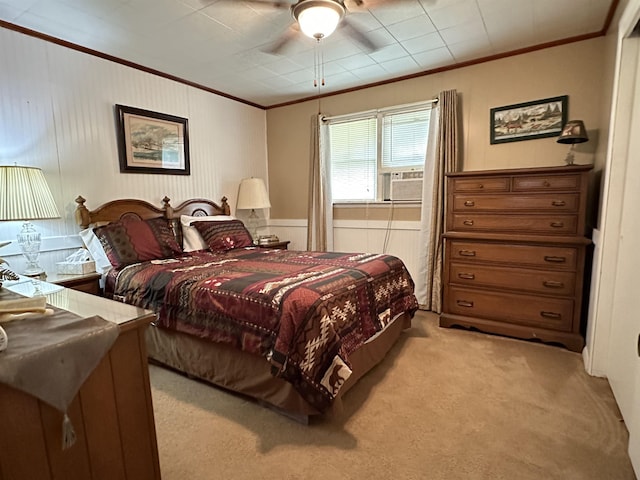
[293,230]
[400,239]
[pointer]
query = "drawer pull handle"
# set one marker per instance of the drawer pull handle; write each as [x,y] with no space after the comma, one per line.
[552,259]
[553,284]
[480,185]
[467,276]
[546,184]
[558,203]
[467,253]
[550,315]
[557,224]
[464,303]
[469,203]
[469,223]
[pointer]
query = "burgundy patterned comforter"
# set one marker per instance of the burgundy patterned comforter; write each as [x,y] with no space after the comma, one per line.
[304,311]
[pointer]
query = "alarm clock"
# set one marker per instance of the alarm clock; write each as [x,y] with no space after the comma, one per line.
[267,239]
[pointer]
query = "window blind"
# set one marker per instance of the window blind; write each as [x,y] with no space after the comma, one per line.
[353,150]
[404,139]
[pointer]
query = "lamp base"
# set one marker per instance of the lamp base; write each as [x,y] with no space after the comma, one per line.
[570,158]
[252,225]
[29,241]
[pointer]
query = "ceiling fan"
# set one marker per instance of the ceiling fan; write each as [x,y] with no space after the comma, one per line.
[318,19]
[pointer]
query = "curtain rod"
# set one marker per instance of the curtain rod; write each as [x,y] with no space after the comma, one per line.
[379,110]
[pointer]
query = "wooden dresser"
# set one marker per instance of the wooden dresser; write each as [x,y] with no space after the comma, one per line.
[112,413]
[515,251]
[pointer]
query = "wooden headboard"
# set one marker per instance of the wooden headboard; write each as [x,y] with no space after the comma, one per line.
[117,209]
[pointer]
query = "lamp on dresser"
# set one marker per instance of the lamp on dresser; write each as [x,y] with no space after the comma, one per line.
[253,195]
[573,132]
[25,195]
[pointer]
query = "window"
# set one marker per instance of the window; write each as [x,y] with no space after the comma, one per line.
[404,139]
[353,157]
[365,149]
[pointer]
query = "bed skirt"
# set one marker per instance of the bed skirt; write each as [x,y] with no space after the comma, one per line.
[250,374]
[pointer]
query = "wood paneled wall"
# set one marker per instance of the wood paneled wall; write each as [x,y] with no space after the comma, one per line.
[57,113]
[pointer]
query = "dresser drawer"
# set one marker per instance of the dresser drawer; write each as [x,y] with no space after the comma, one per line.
[547,202]
[520,224]
[548,257]
[490,184]
[542,183]
[551,313]
[551,282]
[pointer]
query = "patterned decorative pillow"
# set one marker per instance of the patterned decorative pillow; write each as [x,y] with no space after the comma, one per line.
[132,240]
[227,235]
[191,239]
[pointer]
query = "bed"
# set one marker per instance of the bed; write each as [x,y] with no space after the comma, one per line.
[293,330]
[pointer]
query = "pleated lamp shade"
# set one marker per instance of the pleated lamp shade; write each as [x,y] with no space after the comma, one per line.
[25,195]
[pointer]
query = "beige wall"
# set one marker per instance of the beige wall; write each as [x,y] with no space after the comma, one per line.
[575,69]
[377,212]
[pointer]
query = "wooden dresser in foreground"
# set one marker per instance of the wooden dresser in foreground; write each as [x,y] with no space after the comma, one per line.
[515,250]
[112,414]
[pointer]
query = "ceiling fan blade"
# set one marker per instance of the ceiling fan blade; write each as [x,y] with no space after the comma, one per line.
[269,2]
[280,45]
[264,3]
[373,4]
[359,36]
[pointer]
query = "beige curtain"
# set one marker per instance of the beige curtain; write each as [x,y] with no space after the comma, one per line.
[320,209]
[445,160]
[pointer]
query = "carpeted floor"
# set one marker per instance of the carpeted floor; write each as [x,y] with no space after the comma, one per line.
[445,404]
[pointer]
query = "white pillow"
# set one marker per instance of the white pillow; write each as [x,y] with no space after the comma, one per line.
[191,238]
[103,265]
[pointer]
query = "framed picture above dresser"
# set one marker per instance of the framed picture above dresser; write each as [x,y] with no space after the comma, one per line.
[515,252]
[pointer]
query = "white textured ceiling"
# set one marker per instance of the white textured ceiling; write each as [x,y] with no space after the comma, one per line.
[220,44]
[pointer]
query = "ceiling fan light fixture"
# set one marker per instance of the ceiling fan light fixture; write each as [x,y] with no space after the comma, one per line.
[318,18]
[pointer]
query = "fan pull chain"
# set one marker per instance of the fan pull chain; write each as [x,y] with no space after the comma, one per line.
[318,65]
[322,64]
[315,65]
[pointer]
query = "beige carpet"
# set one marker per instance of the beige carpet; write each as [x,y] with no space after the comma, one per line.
[445,404]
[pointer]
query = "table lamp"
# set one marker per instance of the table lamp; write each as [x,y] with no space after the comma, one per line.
[25,195]
[252,194]
[573,132]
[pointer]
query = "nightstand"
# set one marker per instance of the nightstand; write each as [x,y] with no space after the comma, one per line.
[276,245]
[87,282]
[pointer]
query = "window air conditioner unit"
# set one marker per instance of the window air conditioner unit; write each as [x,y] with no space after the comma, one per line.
[406,186]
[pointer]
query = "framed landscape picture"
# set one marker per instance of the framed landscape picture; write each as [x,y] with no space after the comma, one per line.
[530,120]
[151,142]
